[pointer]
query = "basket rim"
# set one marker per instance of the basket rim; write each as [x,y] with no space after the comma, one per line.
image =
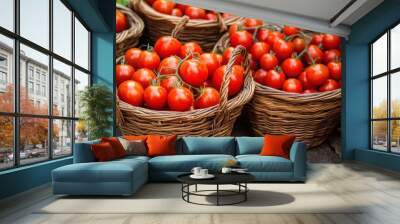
[136,25]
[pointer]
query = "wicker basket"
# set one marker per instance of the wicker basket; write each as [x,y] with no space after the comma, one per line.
[130,37]
[310,117]
[204,32]
[213,121]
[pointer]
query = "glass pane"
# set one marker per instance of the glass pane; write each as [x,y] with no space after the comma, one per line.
[35,21]
[379,135]
[395,48]
[6,142]
[34,92]
[81,45]
[81,131]
[395,136]
[62,138]
[395,95]
[81,81]
[62,89]
[33,139]
[7,14]
[6,74]
[379,56]
[62,29]
[379,97]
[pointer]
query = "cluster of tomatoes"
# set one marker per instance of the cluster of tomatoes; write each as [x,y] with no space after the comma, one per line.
[289,59]
[170,8]
[175,76]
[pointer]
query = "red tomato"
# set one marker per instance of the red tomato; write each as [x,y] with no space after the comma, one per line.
[155,97]
[260,76]
[180,99]
[132,57]
[283,49]
[220,59]
[169,65]
[164,6]
[226,16]
[335,70]
[303,79]
[274,36]
[170,82]
[314,53]
[308,91]
[131,92]
[195,13]
[299,44]
[252,23]
[329,85]
[262,34]
[233,28]
[317,74]
[167,46]
[123,73]
[121,21]
[268,61]
[290,30]
[253,63]
[148,59]
[275,79]
[212,62]
[182,7]
[150,2]
[235,82]
[292,67]
[258,49]
[332,55]
[293,86]
[211,16]
[144,76]
[317,39]
[209,97]
[227,55]
[190,47]
[330,41]
[194,72]
[243,38]
[176,12]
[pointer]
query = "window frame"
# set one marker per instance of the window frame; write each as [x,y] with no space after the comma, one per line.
[16,114]
[388,74]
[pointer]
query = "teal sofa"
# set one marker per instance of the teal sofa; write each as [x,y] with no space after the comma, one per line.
[125,176]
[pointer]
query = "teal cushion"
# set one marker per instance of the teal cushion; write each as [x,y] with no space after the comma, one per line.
[249,145]
[208,145]
[83,152]
[257,163]
[185,163]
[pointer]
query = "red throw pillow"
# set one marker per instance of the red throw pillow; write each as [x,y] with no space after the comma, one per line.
[277,145]
[103,152]
[135,137]
[116,145]
[159,145]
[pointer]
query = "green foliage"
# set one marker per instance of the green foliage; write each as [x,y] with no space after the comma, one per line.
[97,102]
[123,2]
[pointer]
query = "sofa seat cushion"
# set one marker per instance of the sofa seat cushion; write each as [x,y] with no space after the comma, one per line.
[112,171]
[185,163]
[257,163]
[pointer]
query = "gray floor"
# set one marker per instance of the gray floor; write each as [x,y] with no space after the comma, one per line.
[377,188]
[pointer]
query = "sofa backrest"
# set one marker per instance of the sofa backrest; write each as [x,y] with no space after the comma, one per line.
[83,152]
[249,145]
[207,145]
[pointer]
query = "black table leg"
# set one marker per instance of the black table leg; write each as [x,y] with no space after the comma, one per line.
[195,188]
[217,194]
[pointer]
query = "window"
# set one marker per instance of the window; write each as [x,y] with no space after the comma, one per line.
[385,94]
[42,123]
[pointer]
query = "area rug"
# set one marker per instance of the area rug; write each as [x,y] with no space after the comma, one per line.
[166,198]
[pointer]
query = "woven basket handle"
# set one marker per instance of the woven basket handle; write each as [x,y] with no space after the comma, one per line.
[179,26]
[118,113]
[221,23]
[222,112]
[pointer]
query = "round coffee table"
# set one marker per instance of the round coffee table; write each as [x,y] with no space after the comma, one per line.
[238,179]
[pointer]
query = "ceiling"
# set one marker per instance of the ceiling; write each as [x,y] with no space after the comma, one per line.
[328,16]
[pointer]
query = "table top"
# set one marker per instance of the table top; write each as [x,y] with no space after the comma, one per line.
[220,178]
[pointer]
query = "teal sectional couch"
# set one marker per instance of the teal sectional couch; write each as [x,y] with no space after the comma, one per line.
[125,176]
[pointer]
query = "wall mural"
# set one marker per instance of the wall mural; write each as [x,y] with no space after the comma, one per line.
[191,71]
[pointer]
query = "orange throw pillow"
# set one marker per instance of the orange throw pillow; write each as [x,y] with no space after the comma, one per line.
[116,145]
[135,137]
[159,145]
[103,152]
[277,145]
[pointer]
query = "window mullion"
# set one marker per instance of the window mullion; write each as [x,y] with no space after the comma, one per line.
[73,81]
[50,81]
[16,83]
[389,104]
